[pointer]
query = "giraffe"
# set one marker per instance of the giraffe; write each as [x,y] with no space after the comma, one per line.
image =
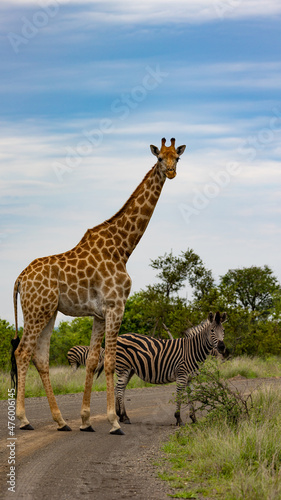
[89,280]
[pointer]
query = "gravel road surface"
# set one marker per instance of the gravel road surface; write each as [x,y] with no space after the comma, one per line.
[76,465]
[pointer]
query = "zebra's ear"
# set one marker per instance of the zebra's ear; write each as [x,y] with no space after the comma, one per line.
[223,317]
[218,317]
[211,317]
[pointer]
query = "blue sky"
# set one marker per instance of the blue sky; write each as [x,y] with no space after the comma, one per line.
[85,89]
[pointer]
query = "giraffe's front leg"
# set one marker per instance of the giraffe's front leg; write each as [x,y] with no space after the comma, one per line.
[91,364]
[113,323]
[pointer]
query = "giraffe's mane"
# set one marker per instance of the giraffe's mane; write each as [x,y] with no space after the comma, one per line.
[122,210]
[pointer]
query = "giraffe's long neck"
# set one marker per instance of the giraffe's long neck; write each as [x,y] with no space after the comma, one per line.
[128,225]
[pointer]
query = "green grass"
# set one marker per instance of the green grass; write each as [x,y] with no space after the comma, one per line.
[220,460]
[251,367]
[63,380]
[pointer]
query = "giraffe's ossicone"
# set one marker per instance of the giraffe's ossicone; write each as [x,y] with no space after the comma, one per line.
[89,280]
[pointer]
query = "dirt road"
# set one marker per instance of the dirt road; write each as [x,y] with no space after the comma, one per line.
[75,465]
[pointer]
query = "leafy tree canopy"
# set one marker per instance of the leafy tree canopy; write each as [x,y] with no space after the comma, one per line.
[251,297]
[252,288]
[174,271]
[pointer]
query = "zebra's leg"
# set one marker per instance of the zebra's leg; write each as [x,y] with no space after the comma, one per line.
[181,385]
[121,385]
[192,414]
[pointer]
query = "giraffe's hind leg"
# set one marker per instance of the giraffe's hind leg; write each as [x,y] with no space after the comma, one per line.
[41,362]
[23,354]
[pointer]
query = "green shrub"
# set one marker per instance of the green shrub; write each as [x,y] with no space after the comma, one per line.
[234,451]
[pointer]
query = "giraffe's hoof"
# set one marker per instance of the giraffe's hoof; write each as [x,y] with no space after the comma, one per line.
[64,428]
[127,421]
[27,427]
[88,429]
[117,432]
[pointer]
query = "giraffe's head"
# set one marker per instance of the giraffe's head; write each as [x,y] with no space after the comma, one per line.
[168,157]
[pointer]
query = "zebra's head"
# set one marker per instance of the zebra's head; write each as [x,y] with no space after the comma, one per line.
[216,330]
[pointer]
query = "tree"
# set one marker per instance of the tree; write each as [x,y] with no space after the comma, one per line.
[68,334]
[147,311]
[252,288]
[7,332]
[159,304]
[252,299]
[174,271]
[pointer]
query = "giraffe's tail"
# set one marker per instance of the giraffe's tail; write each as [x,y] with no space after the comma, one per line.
[15,341]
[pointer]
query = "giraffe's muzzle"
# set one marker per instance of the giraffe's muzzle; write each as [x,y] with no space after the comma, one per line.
[171,173]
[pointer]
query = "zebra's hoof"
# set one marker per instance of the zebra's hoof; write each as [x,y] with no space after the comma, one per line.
[117,432]
[88,429]
[64,428]
[27,427]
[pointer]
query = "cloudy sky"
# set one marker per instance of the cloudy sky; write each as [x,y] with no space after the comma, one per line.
[86,87]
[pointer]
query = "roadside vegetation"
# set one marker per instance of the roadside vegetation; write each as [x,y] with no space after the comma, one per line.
[251,297]
[233,451]
[63,380]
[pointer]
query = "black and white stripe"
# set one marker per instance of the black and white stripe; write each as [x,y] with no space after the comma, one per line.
[77,356]
[160,361]
[163,361]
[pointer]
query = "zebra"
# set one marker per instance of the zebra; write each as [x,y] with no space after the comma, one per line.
[78,354]
[161,361]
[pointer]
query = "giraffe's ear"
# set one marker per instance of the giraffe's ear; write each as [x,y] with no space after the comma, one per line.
[180,150]
[154,150]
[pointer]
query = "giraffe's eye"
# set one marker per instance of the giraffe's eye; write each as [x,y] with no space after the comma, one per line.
[177,159]
[160,159]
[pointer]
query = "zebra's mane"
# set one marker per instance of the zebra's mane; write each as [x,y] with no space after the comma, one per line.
[195,330]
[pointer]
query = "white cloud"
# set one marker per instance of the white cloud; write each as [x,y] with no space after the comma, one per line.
[96,78]
[41,216]
[152,12]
